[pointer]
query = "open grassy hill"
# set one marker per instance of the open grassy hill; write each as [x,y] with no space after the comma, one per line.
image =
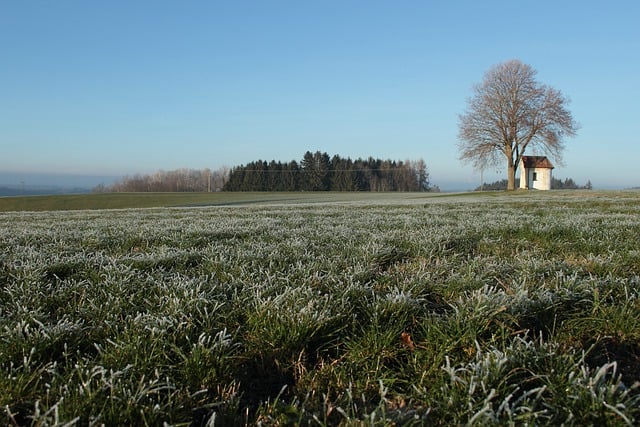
[293,309]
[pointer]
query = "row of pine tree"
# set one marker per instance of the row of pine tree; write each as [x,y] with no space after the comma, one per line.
[320,172]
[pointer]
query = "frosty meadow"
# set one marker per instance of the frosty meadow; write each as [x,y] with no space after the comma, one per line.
[518,308]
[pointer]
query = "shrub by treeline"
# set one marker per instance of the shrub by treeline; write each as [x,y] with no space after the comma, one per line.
[556,184]
[179,180]
[320,172]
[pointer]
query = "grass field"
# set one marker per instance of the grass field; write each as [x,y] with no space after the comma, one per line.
[154,200]
[329,309]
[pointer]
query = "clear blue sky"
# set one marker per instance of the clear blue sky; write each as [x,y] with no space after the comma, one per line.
[122,87]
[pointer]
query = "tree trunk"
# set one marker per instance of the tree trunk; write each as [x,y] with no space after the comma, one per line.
[511,177]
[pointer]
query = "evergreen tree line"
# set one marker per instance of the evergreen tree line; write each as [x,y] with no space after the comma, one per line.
[320,172]
[556,184]
[179,180]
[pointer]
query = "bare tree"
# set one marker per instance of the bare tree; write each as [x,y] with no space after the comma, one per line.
[509,113]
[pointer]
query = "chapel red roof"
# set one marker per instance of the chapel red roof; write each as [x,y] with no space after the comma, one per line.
[536,162]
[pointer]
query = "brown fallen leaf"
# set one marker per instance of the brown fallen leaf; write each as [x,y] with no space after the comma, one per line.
[407,341]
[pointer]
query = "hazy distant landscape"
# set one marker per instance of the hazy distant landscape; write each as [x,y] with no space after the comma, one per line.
[37,190]
[17,184]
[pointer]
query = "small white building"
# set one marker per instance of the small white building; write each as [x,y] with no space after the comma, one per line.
[535,173]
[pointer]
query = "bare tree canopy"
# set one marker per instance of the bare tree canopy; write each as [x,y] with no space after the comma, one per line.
[510,113]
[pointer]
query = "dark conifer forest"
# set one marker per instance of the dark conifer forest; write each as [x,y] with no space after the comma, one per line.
[320,172]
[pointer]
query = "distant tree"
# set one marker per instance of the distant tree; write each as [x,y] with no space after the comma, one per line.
[315,171]
[343,177]
[236,177]
[274,176]
[100,188]
[569,184]
[509,113]
[361,175]
[291,176]
[499,185]
[422,176]
[218,178]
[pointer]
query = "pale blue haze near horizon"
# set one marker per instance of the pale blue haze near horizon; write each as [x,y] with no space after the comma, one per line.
[123,87]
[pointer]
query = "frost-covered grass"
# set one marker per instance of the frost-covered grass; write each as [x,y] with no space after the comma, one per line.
[488,309]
